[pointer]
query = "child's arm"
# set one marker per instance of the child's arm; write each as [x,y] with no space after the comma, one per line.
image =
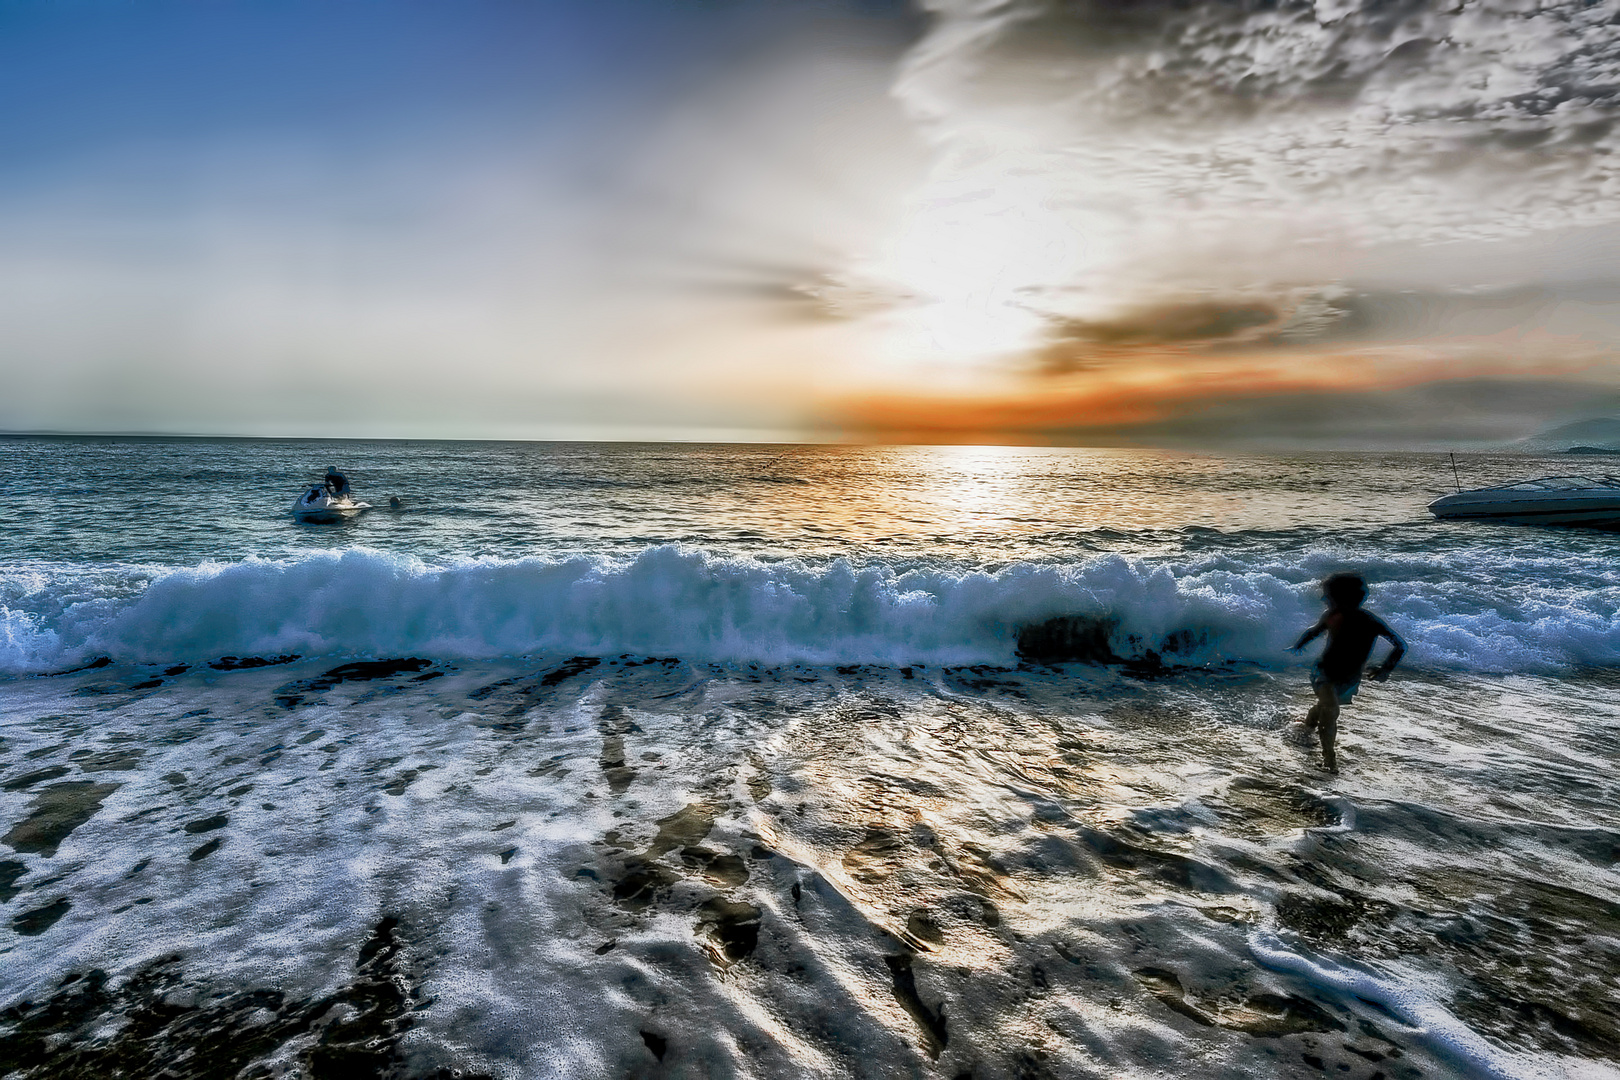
[1310,635]
[1381,672]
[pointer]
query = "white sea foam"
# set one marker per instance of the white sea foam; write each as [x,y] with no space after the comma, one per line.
[498,811]
[672,600]
[1449,1036]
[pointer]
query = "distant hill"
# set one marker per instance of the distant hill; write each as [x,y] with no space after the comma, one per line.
[1595,436]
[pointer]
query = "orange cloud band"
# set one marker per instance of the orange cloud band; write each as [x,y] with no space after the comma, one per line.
[1162,386]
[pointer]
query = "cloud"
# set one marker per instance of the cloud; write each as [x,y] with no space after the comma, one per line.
[1157,148]
[1080,344]
[1455,411]
[483,221]
[1246,413]
[1140,210]
[1348,394]
[1388,106]
[1043,217]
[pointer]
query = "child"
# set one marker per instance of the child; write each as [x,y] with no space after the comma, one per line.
[1351,633]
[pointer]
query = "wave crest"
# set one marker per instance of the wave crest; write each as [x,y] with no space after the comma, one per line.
[672,600]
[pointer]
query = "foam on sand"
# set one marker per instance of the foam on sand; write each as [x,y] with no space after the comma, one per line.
[1453,1039]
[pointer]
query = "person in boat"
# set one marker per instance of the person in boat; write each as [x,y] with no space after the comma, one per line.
[337,485]
[1351,633]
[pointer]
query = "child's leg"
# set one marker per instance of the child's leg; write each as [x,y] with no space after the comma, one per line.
[1326,698]
[1324,717]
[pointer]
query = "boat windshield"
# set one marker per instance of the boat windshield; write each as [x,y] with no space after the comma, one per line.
[1563,483]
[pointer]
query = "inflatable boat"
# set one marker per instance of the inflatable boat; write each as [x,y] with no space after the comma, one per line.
[320,507]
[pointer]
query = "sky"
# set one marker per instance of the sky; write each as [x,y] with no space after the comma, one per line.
[1153,222]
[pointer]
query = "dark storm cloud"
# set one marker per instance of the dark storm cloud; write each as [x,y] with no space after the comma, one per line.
[1078,344]
[1171,324]
[1328,317]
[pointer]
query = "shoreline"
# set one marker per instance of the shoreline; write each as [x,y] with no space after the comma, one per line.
[793,871]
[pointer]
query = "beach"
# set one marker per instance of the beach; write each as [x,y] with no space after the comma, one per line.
[741,761]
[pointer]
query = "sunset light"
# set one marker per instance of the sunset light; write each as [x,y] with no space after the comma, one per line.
[809,539]
[980,264]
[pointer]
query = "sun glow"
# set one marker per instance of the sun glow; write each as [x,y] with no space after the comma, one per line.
[979,259]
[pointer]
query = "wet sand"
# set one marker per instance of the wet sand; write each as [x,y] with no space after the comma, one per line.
[638,866]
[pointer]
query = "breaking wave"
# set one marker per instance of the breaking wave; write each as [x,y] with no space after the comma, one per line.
[681,601]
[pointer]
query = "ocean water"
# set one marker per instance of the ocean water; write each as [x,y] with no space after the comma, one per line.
[715,761]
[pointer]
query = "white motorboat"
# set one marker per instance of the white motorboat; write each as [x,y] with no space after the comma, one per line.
[1548,500]
[321,507]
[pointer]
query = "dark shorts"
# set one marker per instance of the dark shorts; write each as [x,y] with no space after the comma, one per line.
[1345,691]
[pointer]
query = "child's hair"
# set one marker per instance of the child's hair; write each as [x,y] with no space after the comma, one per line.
[1345,590]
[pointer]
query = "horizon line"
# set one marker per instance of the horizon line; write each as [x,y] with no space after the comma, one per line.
[798,440]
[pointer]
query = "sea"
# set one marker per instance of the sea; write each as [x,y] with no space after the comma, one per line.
[598,760]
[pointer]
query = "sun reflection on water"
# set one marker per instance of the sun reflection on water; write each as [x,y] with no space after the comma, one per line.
[993,493]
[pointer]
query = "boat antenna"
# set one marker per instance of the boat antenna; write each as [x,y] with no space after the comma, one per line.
[1454,474]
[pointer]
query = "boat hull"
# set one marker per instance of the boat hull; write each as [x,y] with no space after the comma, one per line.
[328,517]
[1585,509]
